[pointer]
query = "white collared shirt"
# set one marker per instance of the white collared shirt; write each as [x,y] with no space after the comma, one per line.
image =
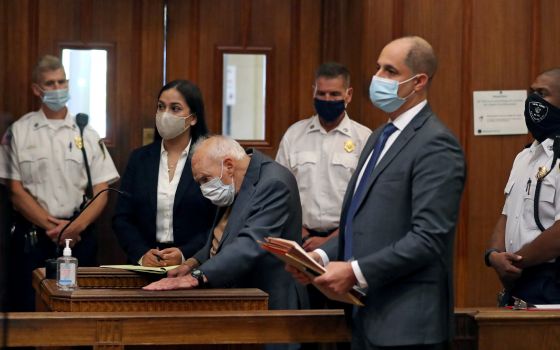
[44,155]
[166,194]
[322,163]
[521,227]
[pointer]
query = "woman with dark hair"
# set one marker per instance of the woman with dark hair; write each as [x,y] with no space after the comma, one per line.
[166,219]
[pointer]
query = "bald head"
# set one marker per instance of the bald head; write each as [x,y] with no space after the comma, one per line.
[553,76]
[218,147]
[420,57]
[547,86]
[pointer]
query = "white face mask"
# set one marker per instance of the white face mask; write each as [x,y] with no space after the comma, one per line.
[170,126]
[217,192]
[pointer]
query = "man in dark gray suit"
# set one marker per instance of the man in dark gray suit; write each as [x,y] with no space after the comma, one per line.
[257,198]
[399,213]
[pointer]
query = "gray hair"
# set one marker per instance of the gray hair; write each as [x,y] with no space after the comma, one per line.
[45,64]
[221,146]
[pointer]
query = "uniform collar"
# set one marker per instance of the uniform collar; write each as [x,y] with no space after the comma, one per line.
[343,127]
[546,145]
[40,120]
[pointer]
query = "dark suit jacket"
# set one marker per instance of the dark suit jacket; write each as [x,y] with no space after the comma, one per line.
[267,205]
[403,234]
[134,222]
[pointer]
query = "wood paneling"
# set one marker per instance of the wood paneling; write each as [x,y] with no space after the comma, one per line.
[481,45]
[499,60]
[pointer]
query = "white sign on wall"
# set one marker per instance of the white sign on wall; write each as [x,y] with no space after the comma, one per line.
[499,112]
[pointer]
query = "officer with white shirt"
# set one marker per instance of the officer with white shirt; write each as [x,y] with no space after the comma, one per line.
[322,152]
[47,179]
[524,246]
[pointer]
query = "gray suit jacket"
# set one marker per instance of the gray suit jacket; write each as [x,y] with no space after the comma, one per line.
[403,234]
[267,205]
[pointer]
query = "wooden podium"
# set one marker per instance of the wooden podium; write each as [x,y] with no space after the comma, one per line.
[112,290]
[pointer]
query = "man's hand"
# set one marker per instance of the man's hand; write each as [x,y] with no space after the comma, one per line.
[73,231]
[312,243]
[153,258]
[503,264]
[180,271]
[338,279]
[300,276]
[171,256]
[184,282]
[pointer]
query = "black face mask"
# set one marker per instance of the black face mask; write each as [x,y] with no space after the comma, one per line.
[329,110]
[541,117]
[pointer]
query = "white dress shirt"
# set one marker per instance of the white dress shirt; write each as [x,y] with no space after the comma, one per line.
[166,194]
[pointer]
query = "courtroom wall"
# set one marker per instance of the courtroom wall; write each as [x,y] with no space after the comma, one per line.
[481,44]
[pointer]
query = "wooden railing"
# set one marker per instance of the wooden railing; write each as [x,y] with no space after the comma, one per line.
[104,330]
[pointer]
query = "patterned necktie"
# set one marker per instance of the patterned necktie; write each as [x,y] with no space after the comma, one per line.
[356,198]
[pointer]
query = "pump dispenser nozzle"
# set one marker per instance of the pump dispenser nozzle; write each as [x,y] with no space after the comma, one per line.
[67,251]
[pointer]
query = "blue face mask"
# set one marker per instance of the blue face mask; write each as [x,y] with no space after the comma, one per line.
[329,110]
[384,93]
[55,99]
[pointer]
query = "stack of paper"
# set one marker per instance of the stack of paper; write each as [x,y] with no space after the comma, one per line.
[293,254]
[137,268]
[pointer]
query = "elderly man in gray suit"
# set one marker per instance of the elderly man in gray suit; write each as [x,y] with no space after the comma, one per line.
[257,198]
[399,213]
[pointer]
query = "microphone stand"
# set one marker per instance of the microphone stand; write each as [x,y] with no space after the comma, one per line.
[50,267]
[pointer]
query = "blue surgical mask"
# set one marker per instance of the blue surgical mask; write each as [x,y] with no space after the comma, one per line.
[55,99]
[384,93]
[329,110]
[217,192]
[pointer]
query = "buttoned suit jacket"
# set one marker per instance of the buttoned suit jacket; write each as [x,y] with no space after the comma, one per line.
[134,222]
[267,204]
[403,234]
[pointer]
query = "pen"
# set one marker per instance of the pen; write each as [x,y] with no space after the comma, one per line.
[157,256]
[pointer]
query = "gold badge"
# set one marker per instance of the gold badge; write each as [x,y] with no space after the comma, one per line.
[78,142]
[543,171]
[349,146]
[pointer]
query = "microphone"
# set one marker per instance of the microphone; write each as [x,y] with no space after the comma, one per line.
[51,263]
[82,120]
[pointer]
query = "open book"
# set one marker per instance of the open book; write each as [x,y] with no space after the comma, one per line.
[293,254]
[137,268]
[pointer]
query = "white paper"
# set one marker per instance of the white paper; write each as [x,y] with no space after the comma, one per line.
[548,307]
[499,112]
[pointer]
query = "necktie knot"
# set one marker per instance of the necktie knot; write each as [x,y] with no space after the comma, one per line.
[389,129]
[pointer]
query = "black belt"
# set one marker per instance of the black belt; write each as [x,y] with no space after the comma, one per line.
[314,233]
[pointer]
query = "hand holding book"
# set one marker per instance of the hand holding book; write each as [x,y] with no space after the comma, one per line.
[293,255]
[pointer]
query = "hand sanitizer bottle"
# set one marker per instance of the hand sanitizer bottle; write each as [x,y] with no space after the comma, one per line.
[67,268]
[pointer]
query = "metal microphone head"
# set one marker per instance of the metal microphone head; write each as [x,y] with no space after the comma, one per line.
[82,120]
